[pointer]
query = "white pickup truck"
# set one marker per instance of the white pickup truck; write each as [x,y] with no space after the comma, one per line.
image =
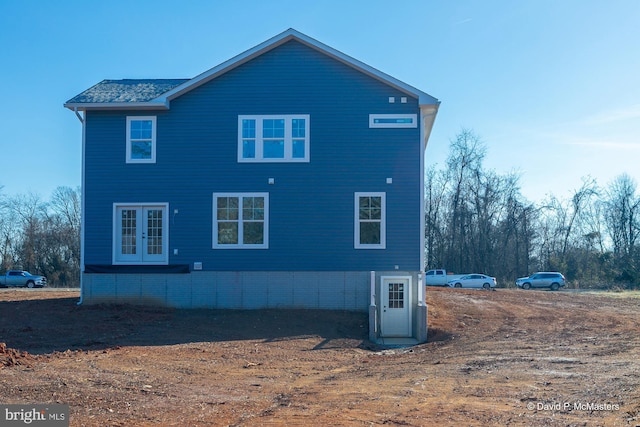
[23,279]
[439,277]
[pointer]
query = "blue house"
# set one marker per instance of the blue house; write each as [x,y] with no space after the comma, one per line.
[290,176]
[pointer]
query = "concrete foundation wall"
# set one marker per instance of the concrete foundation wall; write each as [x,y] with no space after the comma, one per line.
[232,290]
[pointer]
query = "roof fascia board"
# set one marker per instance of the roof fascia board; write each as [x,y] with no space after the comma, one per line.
[83,106]
[291,34]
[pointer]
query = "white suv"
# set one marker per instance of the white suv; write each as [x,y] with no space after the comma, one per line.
[551,280]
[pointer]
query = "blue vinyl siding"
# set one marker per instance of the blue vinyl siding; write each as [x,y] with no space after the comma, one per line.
[311,204]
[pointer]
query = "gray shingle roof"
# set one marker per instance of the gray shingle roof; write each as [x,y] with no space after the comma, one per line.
[126,90]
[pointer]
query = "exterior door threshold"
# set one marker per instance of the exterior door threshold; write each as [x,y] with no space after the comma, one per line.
[397,342]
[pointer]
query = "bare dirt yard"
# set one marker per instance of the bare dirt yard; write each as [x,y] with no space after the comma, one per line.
[508,357]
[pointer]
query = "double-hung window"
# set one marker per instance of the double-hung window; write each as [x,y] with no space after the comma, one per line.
[240,220]
[370,221]
[141,139]
[273,138]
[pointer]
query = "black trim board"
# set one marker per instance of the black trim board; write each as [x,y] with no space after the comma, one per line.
[137,269]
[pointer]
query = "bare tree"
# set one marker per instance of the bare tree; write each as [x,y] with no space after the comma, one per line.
[64,236]
[7,234]
[27,213]
[580,199]
[464,163]
[623,214]
[435,187]
[622,217]
[65,202]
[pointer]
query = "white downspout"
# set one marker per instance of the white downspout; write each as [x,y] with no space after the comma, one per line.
[373,288]
[423,149]
[374,327]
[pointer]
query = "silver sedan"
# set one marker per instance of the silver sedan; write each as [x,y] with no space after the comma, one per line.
[473,281]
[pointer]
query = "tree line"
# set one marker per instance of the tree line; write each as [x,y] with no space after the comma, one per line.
[42,237]
[478,221]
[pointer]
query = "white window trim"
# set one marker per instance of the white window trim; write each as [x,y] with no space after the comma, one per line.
[412,117]
[383,221]
[288,139]
[165,233]
[264,245]
[153,139]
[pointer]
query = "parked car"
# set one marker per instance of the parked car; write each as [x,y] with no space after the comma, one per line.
[20,278]
[439,277]
[543,279]
[473,281]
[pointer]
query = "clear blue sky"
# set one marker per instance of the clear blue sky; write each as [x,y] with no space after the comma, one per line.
[552,87]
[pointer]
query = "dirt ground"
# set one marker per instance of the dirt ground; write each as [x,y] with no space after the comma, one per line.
[508,357]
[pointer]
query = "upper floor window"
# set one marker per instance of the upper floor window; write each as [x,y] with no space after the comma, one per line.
[273,138]
[393,120]
[141,139]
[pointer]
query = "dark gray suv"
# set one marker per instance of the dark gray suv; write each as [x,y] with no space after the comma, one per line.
[551,280]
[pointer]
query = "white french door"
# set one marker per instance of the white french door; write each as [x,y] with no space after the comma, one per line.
[140,234]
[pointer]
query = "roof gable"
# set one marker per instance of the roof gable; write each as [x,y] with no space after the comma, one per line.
[159,93]
[280,39]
